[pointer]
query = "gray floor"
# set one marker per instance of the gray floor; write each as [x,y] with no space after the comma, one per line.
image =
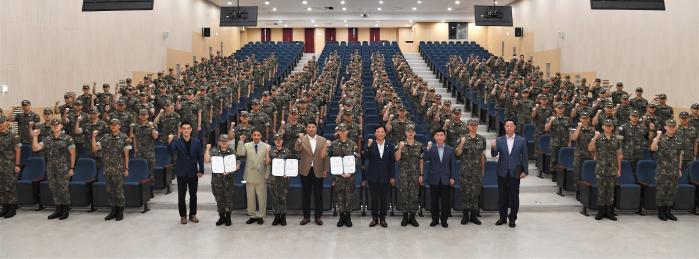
[159,234]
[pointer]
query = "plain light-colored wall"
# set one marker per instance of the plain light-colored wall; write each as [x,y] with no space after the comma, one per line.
[49,47]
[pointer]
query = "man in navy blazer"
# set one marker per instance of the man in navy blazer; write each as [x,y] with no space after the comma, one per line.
[188,168]
[442,169]
[512,166]
[379,172]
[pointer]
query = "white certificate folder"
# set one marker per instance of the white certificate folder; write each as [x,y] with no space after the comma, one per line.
[221,164]
[340,165]
[285,167]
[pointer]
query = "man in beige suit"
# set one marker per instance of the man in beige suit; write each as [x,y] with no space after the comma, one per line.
[257,170]
[313,167]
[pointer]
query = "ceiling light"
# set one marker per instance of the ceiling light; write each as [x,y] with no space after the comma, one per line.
[286,25]
[280,21]
[274,9]
[448,8]
[378,8]
[315,25]
[304,2]
[495,2]
[414,8]
[266,2]
[313,21]
[345,21]
[457,2]
[410,21]
[419,2]
[345,25]
[230,3]
[376,25]
[344,9]
[380,2]
[342,2]
[309,9]
[444,21]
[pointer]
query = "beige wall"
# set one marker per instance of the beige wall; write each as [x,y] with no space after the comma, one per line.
[50,47]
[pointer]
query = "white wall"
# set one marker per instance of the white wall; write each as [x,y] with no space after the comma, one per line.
[657,50]
[48,47]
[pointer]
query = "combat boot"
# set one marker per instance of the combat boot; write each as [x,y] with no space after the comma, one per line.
[341,222]
[473,218]
[64,212]
[661,213]
[3,211]
[56,213]
[668,214]
[119,213]
[404,222]
[111,215]
[276,220]
[11,211]
[348,219]
[221,219]
[412,220]
[464,218]
[610,213]
[600,212]
[228,219]
[283,220]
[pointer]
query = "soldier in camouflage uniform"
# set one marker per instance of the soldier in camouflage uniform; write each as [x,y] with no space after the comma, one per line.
[410,161]
[353,128]
[45,127]
[638,102]
[122,115]
[523,109]
[558,127]
[259,120]
[664,111]
[694,117]
[455,128]
[73,120]
[582,136]
[291,129]
[633,139]
[396,127]
[607,150]
[114,148]
[688,133]
[279,185]
[540,114]
[470,149]
[59,153]
[607,114]
[9,168]
[623,110]
[143,134]
[344,183]
[668,148]
[270,109]
[168,122]
[222,185]
[191,111]
[25,121]
[244,128]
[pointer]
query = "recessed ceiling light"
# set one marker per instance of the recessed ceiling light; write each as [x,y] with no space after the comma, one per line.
[410,21]
[344,9]
[304,2]
[230,3]
[266,2]
[457,2]
[376,25]
[286,25]
[380,2]
[345,21]
[419,2]
[444,21]
[448,8]
[313,21]
[414,8]
[378,8]
[315,25]
[309,9]
[346,25]
[274,9]
[280,21]
[495,2]
[342,2]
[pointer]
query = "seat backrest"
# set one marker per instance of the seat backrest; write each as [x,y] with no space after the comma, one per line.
[566,156]
[162,157]
[684,179]
[626,173]
[138,170]
[694,170]
[491,174]
[528,131]
[85,169]
[545,143]
[35,168]
[645,171]
[588,171]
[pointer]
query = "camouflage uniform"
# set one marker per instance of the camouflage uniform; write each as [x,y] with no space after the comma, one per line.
[246,131]
[23,120]
[168,124]
[398,129]
[409,189]
[124,117]
[606,169]
[222,186]
[190,112]
[560,134]
[581,153]
[261,122]
[57,156]
[279,186]
[667,172]
[523,110]
[291,133]
[8,178]
[112,149]
[344,186]
[455,131]
[689,136]
[633,141]
[145,145]
[471,171]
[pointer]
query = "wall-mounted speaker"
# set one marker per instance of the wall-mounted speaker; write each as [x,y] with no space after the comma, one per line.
[519,32]
[206,32]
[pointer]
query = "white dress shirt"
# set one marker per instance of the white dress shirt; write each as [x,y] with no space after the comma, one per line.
[510,143]
[380,146]
[313,142]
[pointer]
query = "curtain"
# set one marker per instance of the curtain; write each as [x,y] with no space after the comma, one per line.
[352,34]
[309,40]
[265,34]
[287,34]
[330,34]
[375,34]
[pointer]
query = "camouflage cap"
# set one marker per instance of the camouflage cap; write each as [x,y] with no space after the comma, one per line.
[695,106]
[624,96]
[639,89]
[526,90]
[66,96]
[341,127]
[438,96]
[143,112]
[202,88]
[619,84]
[86,87]
[662,96]
[585,114]
[558,105]
[121,101]
[143,94]
[114,121]
[244,114]
[652,105]
[402,108]
[447,102]
[410,127]
[55,121]
[26,102]
[432,89]
[347,101]
[278,136]
[223,137]
[472,122]
[634,113]
[93,111]
[584,98]
[78,102]
[608,122]
[255,101]
[684,115]
[671,123]
[293,110]
[168,102]
[3,118]
[609,105]
[456,110]
[603,90]
[48,111]
[265,93]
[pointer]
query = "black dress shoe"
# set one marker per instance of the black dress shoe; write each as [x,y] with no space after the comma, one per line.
[434,223]
[373,223]
[512,224]
[444,224]
[251,220]
[260,221]
[383,223]
[305,221]
[500,222]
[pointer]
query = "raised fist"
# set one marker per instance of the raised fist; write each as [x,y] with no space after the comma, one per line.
[242,138]
[462,139]
[301,135]
[596,134]
[401,144]
[493,143]
[36,132]
[208,146]
[170,138]
[658,134]
[579,124]
[268,149]
[95,133]
[283,123]
[429,144]
[369,142]
[162,110]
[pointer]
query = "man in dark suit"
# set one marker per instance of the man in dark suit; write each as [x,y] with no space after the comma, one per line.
[442,169]
[380,171]
[512,166]
[188,168]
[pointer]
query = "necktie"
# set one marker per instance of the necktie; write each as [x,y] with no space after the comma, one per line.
[255,148]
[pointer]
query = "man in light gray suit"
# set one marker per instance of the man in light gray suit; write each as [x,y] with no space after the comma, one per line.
[257,170]
[512,166]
